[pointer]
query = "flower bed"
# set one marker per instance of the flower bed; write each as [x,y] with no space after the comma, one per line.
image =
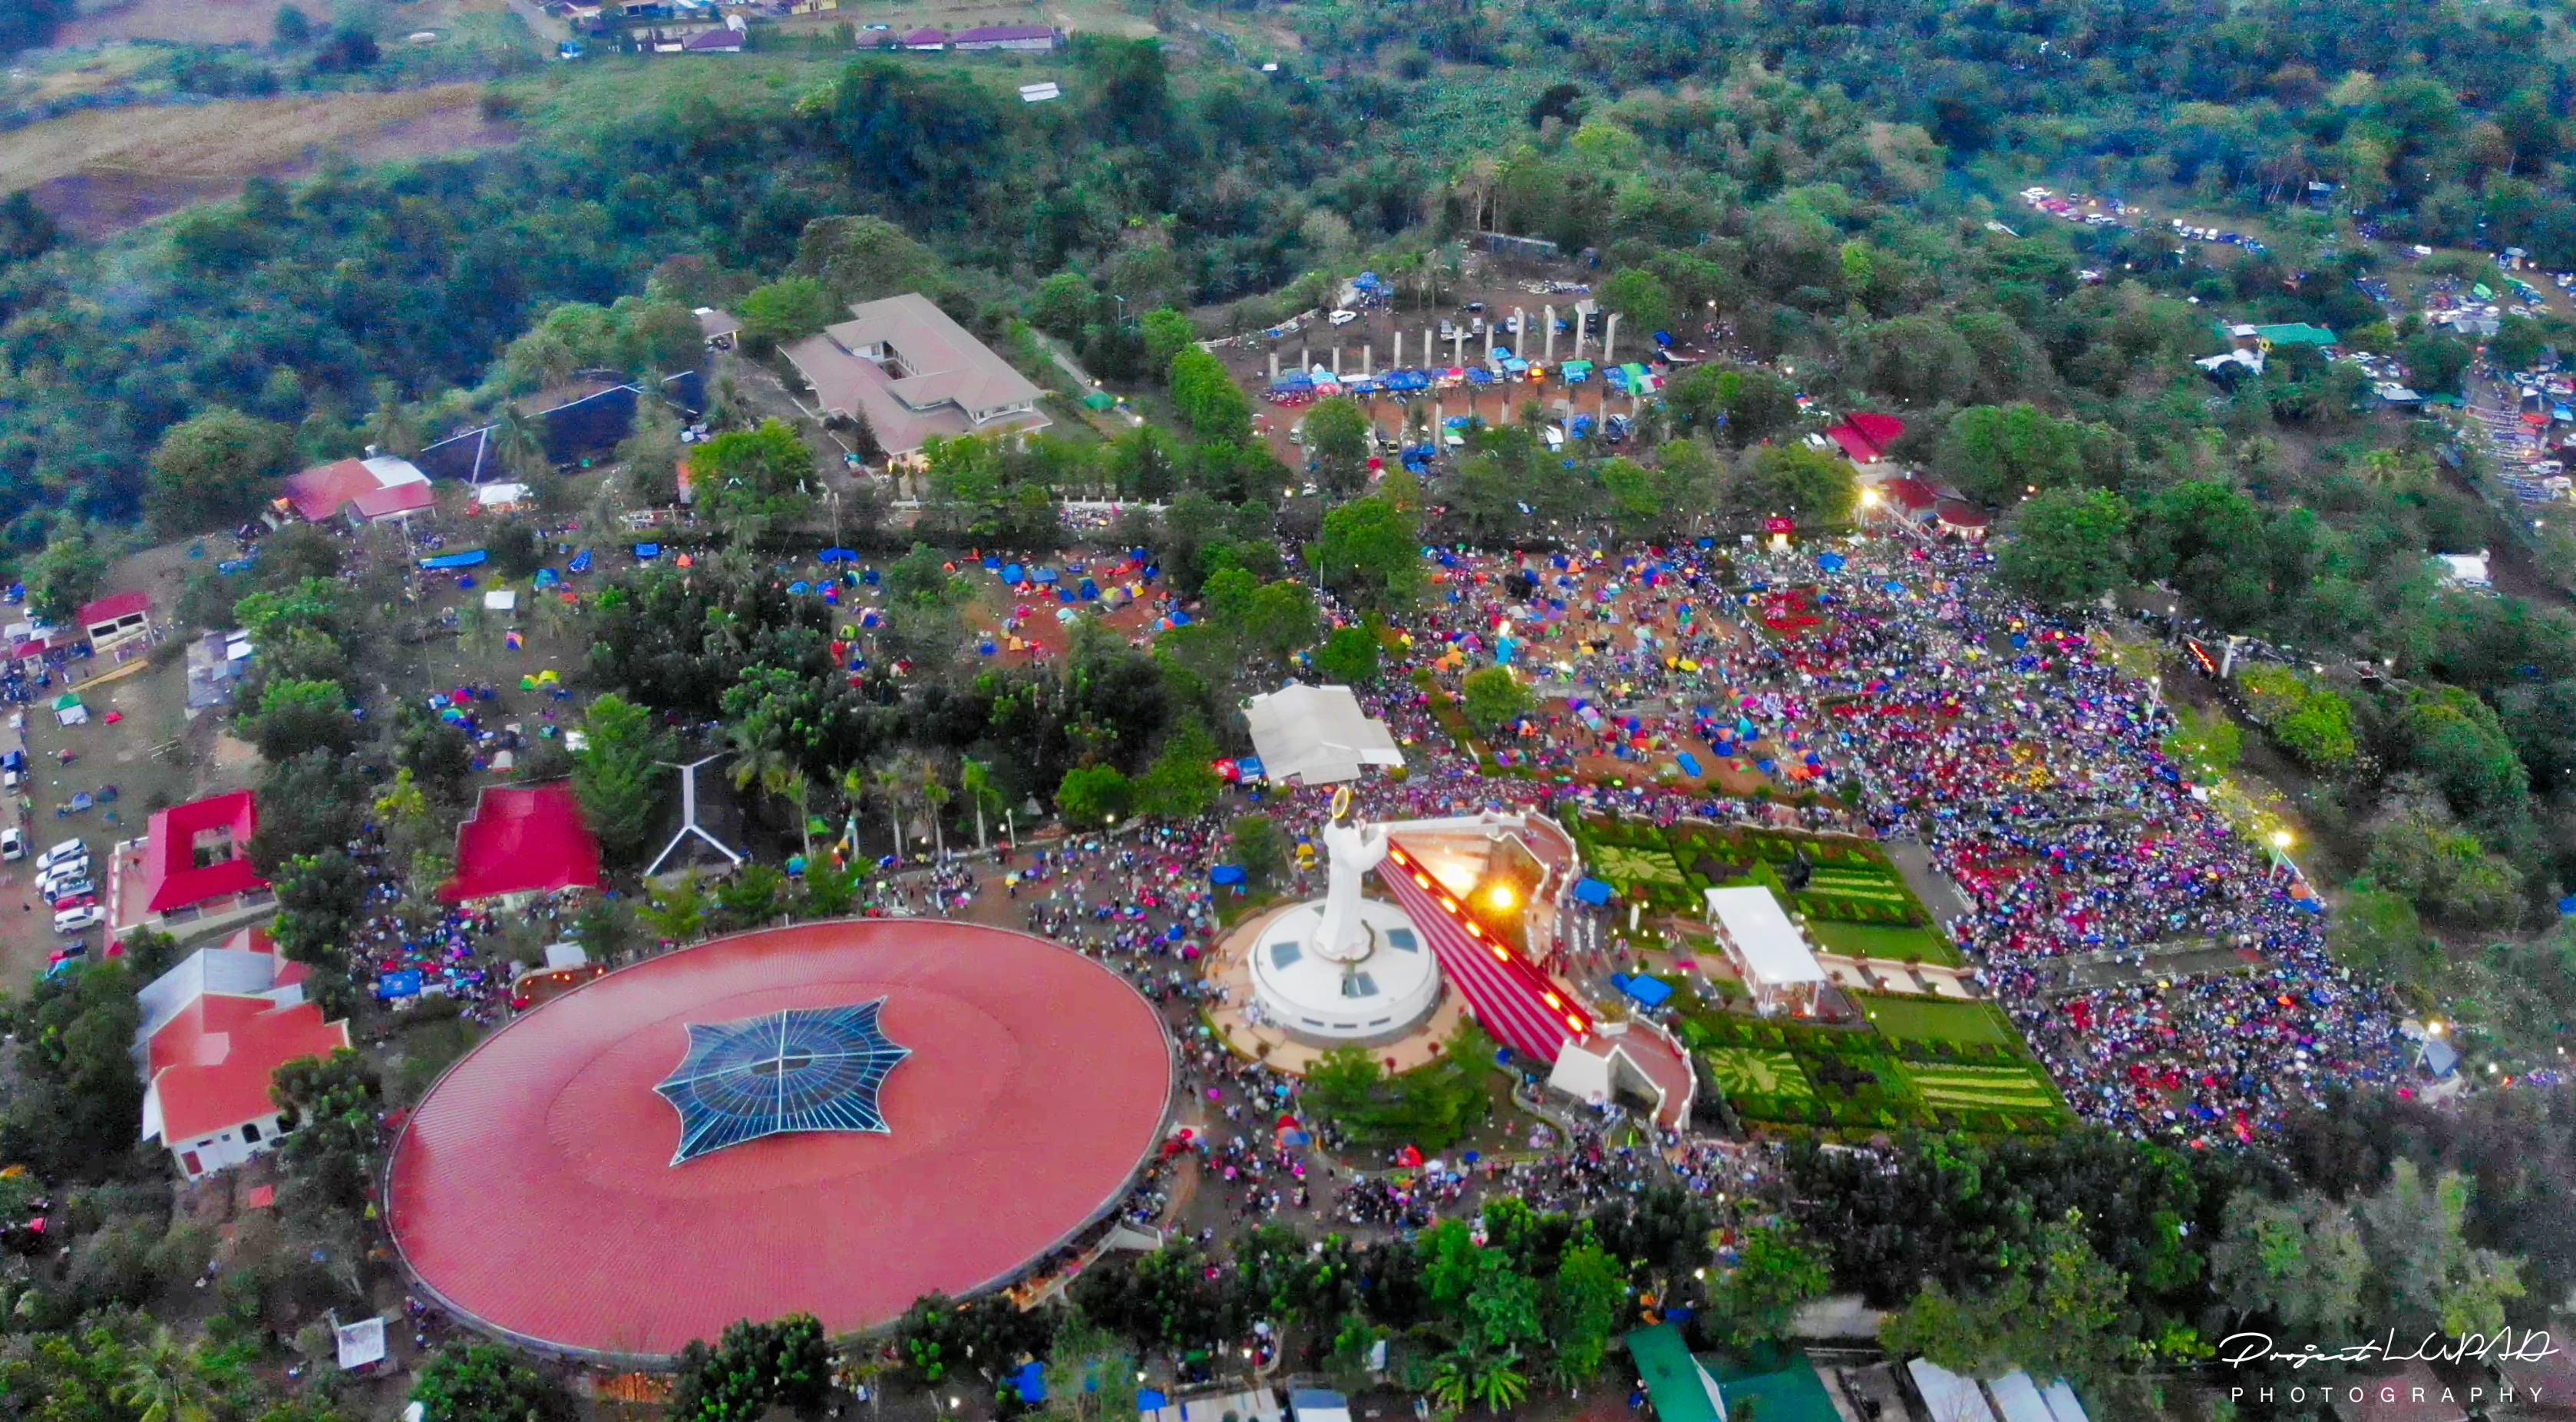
[1855,1081]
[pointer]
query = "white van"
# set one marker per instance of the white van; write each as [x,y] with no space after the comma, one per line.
[68,849]
[75,920]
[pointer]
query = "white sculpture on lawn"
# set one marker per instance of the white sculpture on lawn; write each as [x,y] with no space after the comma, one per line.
[1351,850]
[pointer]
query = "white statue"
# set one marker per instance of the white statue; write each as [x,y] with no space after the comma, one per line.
[1351,849]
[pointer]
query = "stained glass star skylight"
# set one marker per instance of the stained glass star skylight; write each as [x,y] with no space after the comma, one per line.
[801,1069]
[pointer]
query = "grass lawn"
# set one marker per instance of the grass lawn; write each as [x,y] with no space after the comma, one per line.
[1925,1020]
[1743,1072]
[1880,940]
[1983,1088]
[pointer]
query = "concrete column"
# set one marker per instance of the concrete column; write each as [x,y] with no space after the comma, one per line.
[1458,347]
[1274,365]
[1489,340]
[1368,353]
[1610,339]
[1430,352]
[1337,362]
[1396,362]
[1305,359]
[1520,333]
[1578,333]
[1548,313]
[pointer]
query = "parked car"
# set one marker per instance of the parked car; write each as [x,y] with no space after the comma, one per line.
[1343,318]
[76,867]
[67,895]
[68,849]
[13,844]
[86,898]
[79,919]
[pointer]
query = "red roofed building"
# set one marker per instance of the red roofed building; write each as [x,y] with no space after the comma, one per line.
[1909,498]
[1963,518]
[352,487]
[115,620]
[1866,436]
[192,864]
[522,841]
[926,38]
[1006,37]
[208,1070]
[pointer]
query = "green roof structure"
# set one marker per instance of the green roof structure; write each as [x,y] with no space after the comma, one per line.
[2292,333]
[1782,1385]
[1681,1389]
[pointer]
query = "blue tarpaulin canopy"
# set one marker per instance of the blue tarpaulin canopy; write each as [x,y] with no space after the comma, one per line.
[1029,1380]
[1042,575]
[1592,891]
[838,555]
[467,559]
[403,984]
[648,550]
[1649,991]
[1249,767]
[1690,763]
[1226,874]
[1151,1399]
[1830,561]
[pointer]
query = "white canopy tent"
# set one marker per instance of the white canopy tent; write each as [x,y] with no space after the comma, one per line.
[1779,968]
[1316,735]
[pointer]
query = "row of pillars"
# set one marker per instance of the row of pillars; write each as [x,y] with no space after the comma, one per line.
[1458,345]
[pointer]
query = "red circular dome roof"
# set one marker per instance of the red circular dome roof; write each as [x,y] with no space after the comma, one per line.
[533,1189]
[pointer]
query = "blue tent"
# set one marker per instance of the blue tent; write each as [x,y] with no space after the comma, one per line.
[1830,561]
[1043,575]
[1249,767]
[1592,891]
[1650,992]
[1089,590]
[403,984]
[838,555]
[1690,763]
[1029,1380]
[800,587]
[1151,1399]
[648,550]
[1226,874]
[467,559]
[580,561]
[1014,573]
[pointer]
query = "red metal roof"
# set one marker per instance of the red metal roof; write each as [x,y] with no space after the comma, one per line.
[1907,492]
[211,1064]
[172,876]
[1960,514]
[318,492]
[926,35]
[532,1189]
[1880,430]
[1004,32]
[112,607]
[1865,436]
[523,839]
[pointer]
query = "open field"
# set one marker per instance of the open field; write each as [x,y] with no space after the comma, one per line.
[1919,1020]
[1880,940]
[102,170]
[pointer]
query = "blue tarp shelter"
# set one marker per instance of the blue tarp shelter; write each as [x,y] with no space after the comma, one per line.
[403,984]
[1029,1380]
[1690,763]
[1014,573]
[838,555]
[467,559]
[1649,992]
[1226,874]
[1592,891]
[648,550]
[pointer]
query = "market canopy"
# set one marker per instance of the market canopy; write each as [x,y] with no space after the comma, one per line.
[1317,735]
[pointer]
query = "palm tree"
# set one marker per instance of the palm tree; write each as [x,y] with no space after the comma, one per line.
[975,779]
[390,427]
[1496,1382]
[933,795]
[1448,1386]
[163,1381]
[520,443]
[887,785]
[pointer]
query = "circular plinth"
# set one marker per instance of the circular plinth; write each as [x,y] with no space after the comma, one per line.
[1373,998]
[533,1190]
